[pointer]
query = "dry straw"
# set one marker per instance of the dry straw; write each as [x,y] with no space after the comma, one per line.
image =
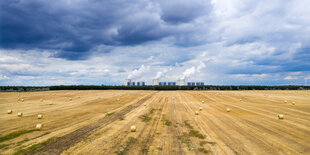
[133,128]
[20,114]
[281,116]
[196,112]
[40,116]
[39,126]
[10,111]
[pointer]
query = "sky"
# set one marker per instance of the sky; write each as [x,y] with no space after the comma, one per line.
[92,42]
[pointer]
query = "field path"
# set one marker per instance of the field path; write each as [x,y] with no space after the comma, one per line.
[66,141]
[98,122]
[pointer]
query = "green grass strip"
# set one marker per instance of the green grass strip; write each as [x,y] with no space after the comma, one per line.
[14,135]
[35,146]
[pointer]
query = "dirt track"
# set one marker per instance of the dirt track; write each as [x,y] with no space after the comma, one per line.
[166,122]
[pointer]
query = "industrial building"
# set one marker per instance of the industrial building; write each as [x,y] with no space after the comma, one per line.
[172,83]
[129,82]
[195,83]
[191,83]
[200,84]
[163,83]
[155,82]
[140,83]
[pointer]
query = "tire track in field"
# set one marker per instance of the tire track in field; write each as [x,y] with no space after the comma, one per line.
[177,131]
[174,145]
[183,108]
[262,114]
[276,126]
[255,104]
[188,105]
[222,138]
[221,148]
[148,138]
[217,125]
[113,140]
[117,139]
[69,140]
[239,126]
[242,128]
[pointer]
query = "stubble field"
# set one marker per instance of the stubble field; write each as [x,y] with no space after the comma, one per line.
[98,122]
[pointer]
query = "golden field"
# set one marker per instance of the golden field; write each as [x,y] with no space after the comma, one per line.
[99,122]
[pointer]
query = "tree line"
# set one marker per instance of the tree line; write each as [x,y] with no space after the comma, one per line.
[108,87]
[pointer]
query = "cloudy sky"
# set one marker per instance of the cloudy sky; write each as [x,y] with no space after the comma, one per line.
[219,42]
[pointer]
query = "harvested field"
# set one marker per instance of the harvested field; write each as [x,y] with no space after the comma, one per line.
[99,122]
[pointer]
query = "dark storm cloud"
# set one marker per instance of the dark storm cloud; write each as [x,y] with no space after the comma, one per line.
[76,28]
[250,40]
[184,11]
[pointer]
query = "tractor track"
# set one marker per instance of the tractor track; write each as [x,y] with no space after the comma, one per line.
[65,142]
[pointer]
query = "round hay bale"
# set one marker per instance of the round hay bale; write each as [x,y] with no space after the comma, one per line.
[39,126]
[40,116]
[203,101]
[293,103]
[227,109]
[281,116]
[22,100]
[285,101]
[240,99]
[70,99]
[19,114]
[196,112]
[200,108]
[10,111]
[133,128]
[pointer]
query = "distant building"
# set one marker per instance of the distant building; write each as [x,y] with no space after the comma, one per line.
[199,84]
[127,81]
[131,84]
[172,83]
[163,83]
[140,83]
[191,83]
